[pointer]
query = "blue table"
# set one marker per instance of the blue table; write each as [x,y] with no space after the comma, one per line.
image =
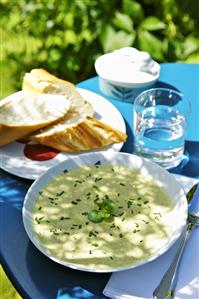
[33,274]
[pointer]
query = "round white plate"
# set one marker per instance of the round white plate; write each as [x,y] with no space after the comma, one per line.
[14,160]
[176,218]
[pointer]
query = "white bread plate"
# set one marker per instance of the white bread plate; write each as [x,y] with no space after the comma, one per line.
[15,162]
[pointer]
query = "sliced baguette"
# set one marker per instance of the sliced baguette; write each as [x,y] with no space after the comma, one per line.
[73,135]
[23,114]
[40,81]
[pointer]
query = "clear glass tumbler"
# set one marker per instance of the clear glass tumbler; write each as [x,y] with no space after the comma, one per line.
[160,118]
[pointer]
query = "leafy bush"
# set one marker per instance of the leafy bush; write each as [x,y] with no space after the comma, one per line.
[65,37]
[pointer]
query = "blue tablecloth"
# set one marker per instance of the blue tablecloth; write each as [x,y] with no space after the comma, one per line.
[32,273]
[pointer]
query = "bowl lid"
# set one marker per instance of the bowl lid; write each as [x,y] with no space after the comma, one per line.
[127,67]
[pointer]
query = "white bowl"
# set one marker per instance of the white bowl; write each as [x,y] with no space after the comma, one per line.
[126,72]
[177,217]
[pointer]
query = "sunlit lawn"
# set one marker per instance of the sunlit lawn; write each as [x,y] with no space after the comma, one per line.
[7,291]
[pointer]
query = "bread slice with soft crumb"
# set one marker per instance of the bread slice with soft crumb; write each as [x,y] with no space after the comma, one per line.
[23,114]
[41,81]
[73,135]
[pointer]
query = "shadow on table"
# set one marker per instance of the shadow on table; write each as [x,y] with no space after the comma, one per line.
[190,164]
[161,84]
[60,280]
[128,146]
[13,190]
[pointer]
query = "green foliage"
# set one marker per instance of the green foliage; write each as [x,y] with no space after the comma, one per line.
[65,37]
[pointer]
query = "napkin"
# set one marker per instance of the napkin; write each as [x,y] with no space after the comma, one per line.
[140,282]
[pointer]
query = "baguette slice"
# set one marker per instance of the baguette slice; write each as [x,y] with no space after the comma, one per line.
[23,114]
[74,136]
[40,81]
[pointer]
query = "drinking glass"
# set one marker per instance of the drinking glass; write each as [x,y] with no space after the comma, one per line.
[160,120]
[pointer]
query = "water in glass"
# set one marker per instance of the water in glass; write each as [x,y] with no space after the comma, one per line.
[159,135]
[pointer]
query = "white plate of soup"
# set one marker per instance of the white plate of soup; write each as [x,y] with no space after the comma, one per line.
[104,212]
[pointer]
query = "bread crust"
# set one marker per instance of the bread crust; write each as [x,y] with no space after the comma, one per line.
[32,82]
[87,135]
[10,134]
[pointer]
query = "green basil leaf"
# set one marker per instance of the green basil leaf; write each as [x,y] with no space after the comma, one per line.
[95,216]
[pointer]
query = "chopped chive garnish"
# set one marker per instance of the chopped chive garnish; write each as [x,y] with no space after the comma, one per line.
[146,222]
[94,245]
[92,234]
[51,198]
[98,179]
[95,187]
[60,193]
[55,233]
[112,225]
[129,203]
[74,202]
[78,181]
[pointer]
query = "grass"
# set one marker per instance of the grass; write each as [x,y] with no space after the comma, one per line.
[6,79]
[7,291]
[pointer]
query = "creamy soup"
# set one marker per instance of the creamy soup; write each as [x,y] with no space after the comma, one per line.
[102,216]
